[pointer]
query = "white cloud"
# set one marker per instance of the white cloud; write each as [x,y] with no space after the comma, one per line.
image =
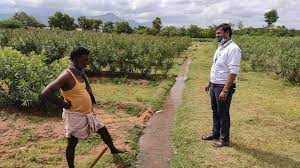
[177,12]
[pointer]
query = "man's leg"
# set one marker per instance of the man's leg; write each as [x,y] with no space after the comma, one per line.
[214,95]
[108,141]
[213,92]
[224,107]
[70,151]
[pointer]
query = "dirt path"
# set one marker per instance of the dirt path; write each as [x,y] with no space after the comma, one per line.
[155,143]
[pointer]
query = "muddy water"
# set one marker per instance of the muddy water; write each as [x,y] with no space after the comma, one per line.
[155,143]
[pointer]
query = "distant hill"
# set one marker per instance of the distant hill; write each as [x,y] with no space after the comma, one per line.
[113,18]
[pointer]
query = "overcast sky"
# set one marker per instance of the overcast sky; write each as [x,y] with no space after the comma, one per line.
[172,12]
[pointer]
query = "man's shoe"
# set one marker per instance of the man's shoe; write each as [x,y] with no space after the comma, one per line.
[220,144]
[209,137]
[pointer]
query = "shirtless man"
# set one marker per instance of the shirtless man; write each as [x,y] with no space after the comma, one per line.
[78,116]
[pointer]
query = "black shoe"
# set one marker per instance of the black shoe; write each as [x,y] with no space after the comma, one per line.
[209,137]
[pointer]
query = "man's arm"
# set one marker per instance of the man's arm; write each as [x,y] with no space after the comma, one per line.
[49,91]
[234,62]
[230,80]
[207,87]
[223,94]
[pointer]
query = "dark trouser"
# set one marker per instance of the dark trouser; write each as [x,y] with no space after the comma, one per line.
[72,142]
[221,116]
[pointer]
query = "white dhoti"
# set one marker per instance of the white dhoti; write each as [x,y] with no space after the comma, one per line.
[80,125]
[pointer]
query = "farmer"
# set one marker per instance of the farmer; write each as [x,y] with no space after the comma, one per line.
[78,116]
[222,84]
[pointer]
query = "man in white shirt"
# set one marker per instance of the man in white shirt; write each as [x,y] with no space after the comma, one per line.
[226,66]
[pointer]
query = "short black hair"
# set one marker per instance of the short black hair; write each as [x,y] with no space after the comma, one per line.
[78,52]
[225,27]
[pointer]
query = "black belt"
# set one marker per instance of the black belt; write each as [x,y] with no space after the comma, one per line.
[233,86]
[217,85]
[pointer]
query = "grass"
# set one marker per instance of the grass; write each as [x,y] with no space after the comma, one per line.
[265,120]
[26,136]
[30,151]
[47,153]
[146,94]
[129,160]
[134,98]
[121,160]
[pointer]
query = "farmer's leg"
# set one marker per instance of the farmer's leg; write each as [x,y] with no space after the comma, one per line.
[108,140]
[70,151]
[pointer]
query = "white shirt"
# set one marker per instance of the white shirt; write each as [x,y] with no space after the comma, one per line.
[227,60]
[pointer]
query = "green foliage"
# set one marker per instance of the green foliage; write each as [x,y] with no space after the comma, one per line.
[194,31]
[4,37]
[157,24]
[10,24]
[123,27]
[183,31]
[121,54]
[108,27]
[27,20]
[208,32]
[130,159]
[141,30]
[62,21]
[23,78]
[170,31]
[271,17]
[89,24]
[278,54]
[279,31]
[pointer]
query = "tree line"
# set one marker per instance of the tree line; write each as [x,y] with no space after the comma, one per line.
[66,22]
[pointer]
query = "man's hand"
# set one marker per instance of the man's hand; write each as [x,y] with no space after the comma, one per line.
[222,96]
[207,87]
[67,104]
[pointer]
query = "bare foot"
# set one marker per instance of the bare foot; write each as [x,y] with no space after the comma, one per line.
[118,150]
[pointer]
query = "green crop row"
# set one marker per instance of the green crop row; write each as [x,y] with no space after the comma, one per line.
[277,54]
[22,78]
[122,54]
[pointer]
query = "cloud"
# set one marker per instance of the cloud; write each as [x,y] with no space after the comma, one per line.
[175,12]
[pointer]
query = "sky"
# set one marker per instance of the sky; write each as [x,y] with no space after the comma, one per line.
[172,12]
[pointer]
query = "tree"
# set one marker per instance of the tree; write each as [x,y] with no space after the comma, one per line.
[108,27]
[183,31]
[27,20]
[141,30]
[85,23]
[89,24]
[271,17]
[240,25]
[169,31]
[123,27]
[156,24]
[96,23]
[62,21]
[10,24]
[194,31]
[208,32]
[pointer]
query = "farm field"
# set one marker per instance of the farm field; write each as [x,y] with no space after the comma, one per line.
[265,120]
[131,75]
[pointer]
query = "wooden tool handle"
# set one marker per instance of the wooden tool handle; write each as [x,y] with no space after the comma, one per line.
[99,156]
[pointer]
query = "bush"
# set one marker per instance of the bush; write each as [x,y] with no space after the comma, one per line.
[10,24]
[278,54]
[23,78]
[121,54]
